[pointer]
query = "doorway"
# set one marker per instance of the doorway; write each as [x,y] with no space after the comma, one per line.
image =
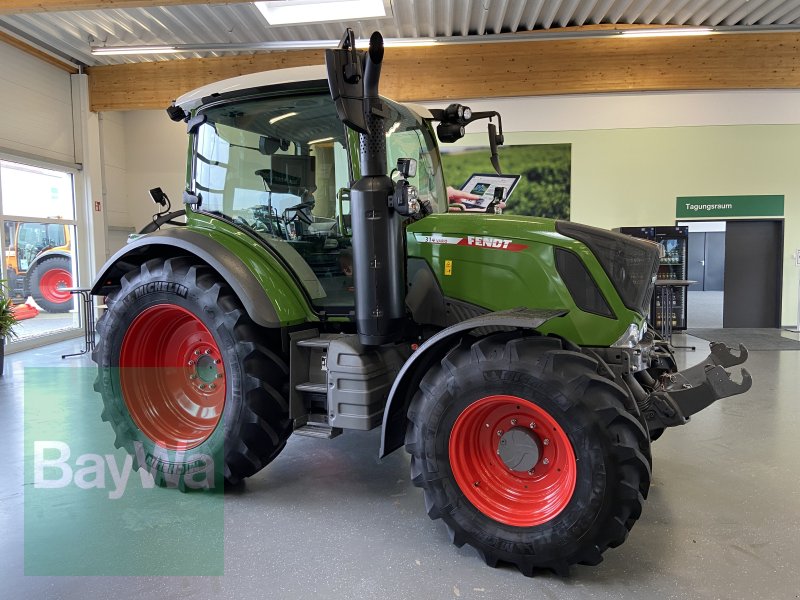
[737,265]
[705,266]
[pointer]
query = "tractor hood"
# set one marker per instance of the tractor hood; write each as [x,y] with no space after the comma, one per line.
[498,262]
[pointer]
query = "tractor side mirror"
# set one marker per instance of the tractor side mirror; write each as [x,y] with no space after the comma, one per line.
[159,197]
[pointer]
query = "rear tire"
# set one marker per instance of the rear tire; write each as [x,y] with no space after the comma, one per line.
[184,371]
[48,281]
[565,500]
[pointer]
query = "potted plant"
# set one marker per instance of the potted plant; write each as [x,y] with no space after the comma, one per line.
[7,322]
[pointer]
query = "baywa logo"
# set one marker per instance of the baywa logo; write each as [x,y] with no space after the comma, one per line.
[52,469]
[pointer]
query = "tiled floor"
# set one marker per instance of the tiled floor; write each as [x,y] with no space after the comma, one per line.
[328,520]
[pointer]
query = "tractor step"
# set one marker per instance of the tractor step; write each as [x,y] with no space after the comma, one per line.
[318,430]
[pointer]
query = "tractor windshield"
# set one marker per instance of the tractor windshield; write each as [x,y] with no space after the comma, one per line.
[281,167]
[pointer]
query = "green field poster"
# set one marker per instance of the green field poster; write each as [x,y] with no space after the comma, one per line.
[544,169]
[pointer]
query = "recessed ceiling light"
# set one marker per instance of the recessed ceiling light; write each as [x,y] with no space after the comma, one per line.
[292,12]
[320,140]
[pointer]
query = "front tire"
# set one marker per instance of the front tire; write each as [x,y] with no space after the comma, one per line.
[527,454]
[185,373]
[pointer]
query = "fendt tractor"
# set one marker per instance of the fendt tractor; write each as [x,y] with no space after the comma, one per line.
[312,291]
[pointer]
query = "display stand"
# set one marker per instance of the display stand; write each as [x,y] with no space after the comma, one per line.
[666,289]
[87,305]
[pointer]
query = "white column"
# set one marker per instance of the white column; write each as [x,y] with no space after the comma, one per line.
[89,201]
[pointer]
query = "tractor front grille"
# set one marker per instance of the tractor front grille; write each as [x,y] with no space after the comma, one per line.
[630,263]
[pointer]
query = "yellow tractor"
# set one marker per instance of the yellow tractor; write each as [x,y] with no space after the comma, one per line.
[39,263]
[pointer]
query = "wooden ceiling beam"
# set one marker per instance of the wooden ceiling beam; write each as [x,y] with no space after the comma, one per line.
[41,55]
[576,66]
[10,7]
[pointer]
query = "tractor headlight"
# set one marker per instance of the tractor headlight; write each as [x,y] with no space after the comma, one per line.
[632,336]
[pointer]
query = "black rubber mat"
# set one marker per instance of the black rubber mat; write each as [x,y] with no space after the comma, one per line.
[753,339]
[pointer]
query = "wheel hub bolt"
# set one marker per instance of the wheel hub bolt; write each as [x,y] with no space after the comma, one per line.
[477,483]
[513,421]
[545,461]
[211,386]
[208,350]
[217,361]
[192,376]
[532,425]
[487,426]
[219,375]
[191,362]
[530,472]
[546,441]
[197,352]
[499,432]
[202,386]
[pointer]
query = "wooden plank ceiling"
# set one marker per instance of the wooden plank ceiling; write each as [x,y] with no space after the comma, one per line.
[763,57]
[734,61]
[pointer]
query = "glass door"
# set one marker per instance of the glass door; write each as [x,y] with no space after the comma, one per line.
[37,214]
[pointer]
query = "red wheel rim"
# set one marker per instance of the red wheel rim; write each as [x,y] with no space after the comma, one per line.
[522,498]
[53,285]
[172,377]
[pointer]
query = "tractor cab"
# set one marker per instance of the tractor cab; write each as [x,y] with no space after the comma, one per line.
[280,166]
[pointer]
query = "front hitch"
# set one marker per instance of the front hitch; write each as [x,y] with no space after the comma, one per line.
[680,395]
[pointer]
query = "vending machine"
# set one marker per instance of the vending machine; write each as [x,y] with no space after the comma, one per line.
[674,241]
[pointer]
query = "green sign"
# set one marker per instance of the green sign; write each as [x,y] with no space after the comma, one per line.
[703,207]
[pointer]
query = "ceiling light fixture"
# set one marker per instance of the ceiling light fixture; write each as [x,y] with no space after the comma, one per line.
[120,50]
[320,140]
[293,12]
[667,32]
[450,40]
[274,120]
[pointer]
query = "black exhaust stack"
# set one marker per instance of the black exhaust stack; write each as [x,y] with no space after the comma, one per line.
[378,245]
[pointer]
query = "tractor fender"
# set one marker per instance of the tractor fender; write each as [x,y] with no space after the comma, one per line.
[429,353]
[218,257]
[48,254]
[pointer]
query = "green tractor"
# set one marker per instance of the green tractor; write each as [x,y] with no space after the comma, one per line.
[311,291]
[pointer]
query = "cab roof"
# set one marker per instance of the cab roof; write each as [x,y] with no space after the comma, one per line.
[193,99]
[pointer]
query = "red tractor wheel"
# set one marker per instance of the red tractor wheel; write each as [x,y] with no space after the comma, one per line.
[512,460]
[49,281]
[527,454]
[181,401]
[185,373]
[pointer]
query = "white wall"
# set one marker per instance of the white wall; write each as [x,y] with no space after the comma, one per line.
[141,150]
[156,157]
[35,107]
